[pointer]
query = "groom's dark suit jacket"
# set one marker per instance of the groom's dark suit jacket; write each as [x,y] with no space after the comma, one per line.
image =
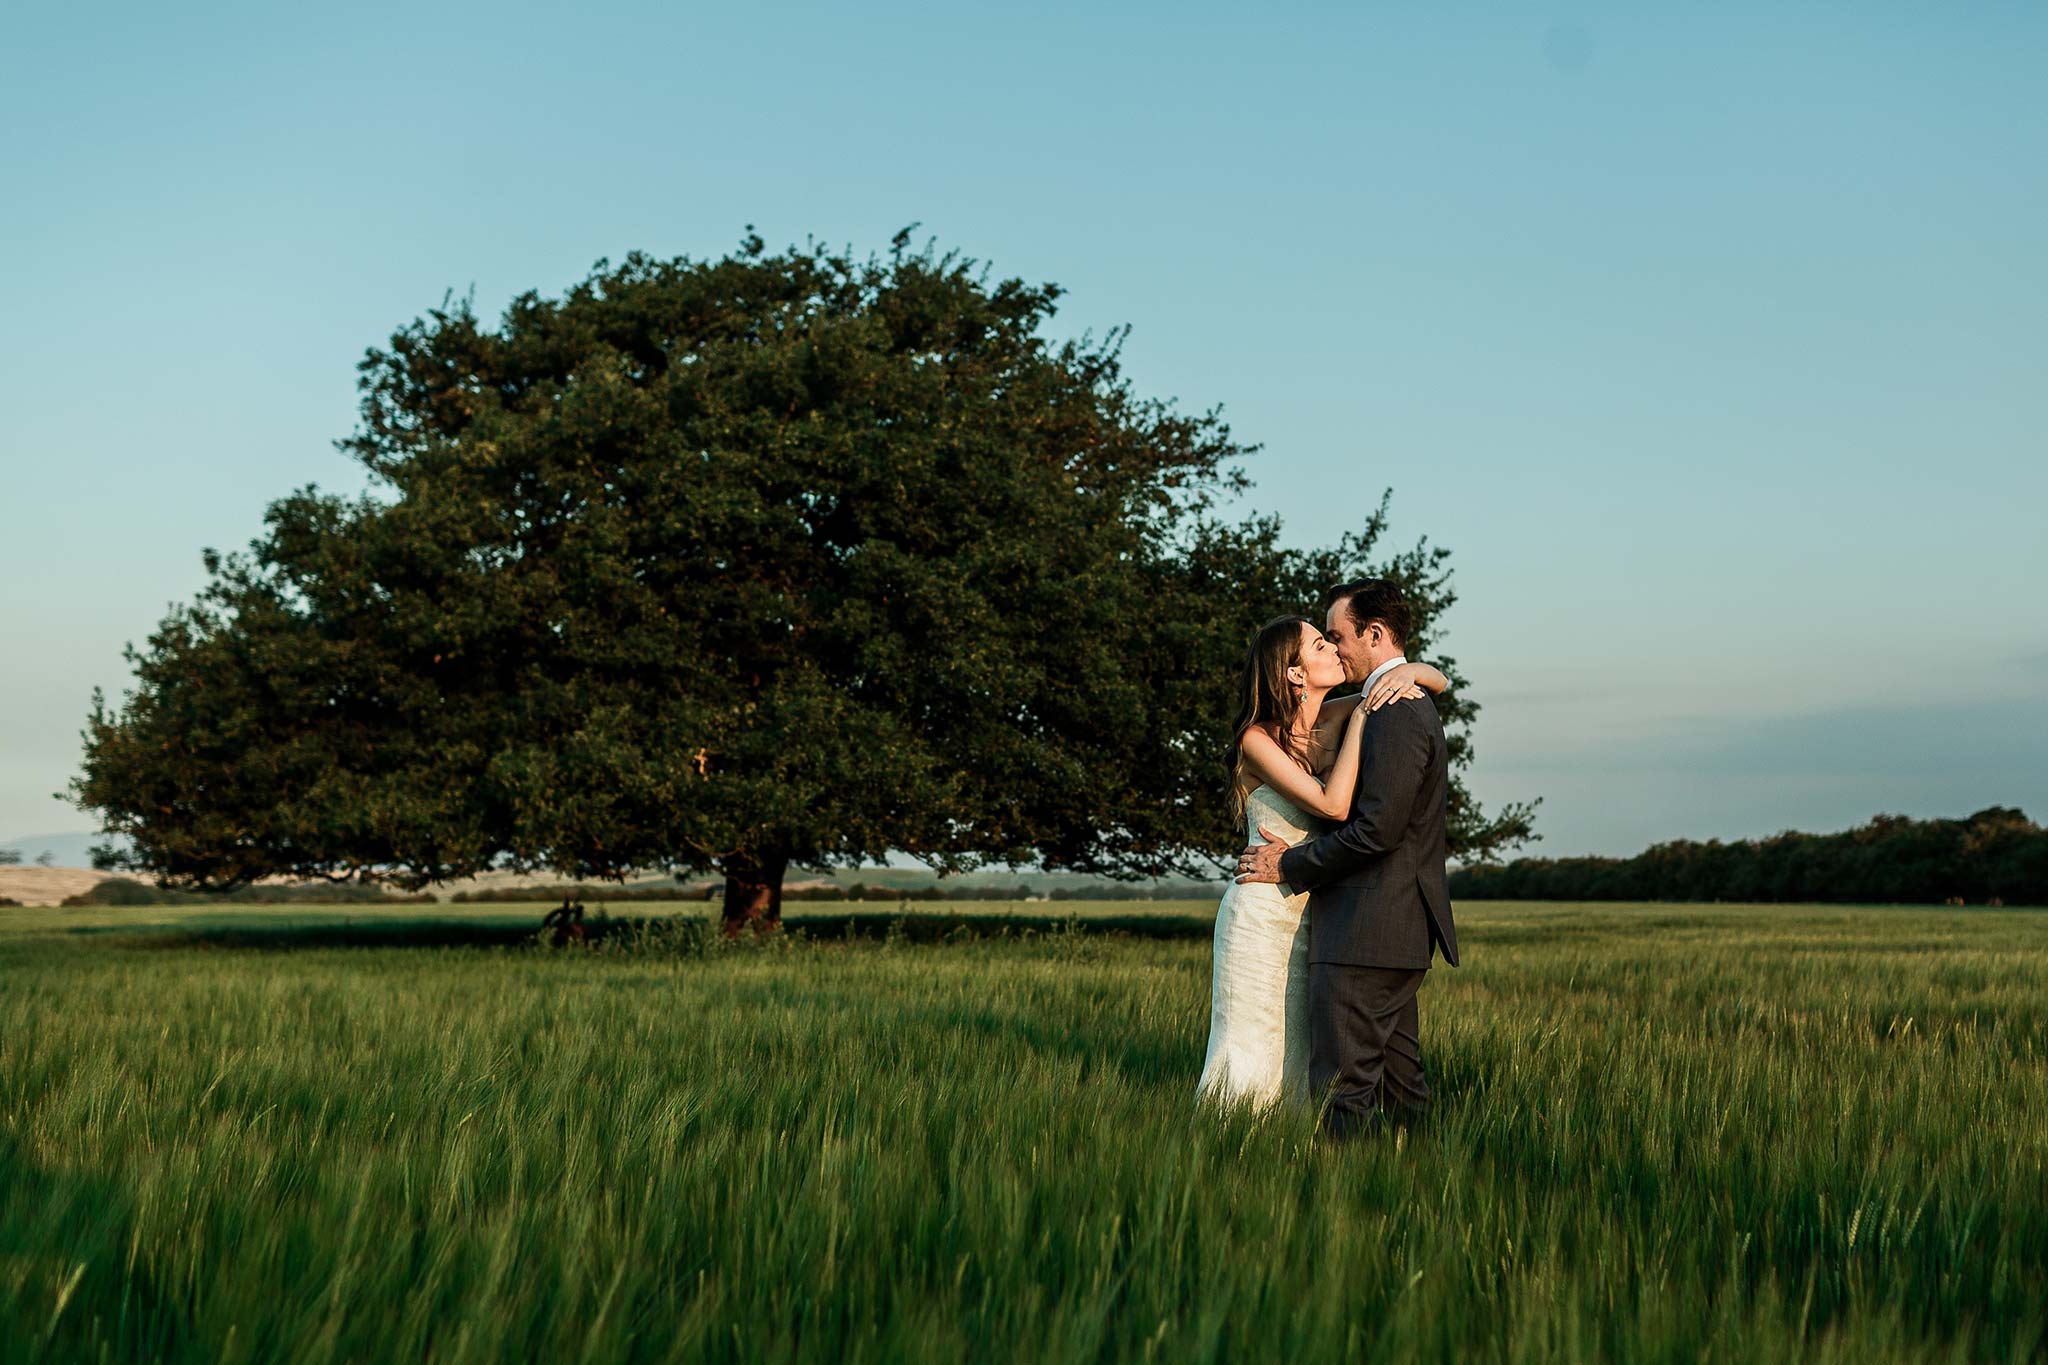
[1379,895]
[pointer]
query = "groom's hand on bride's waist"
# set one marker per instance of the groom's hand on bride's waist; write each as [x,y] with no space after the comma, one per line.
[1261,862]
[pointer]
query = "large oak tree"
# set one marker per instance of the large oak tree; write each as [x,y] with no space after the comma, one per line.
[775,560]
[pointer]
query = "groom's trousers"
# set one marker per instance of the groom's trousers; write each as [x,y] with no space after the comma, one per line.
[1365,1050]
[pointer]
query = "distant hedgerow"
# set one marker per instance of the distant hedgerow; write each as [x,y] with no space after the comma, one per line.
[1997,856]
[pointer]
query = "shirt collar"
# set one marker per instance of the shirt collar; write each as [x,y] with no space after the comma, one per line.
[1394,662]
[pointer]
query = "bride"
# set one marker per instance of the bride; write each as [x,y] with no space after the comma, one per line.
[1292,772]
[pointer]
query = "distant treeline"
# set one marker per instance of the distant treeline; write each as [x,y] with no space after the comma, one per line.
[1996,857]
[1099,891]
[556,894]
[613,895]
[857,891]
[123,891]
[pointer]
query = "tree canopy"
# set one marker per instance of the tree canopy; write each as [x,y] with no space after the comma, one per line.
[771,560]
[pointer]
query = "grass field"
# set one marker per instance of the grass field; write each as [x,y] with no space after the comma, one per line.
[1663,1133]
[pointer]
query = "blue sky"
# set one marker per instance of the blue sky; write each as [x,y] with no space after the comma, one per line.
[1709,338]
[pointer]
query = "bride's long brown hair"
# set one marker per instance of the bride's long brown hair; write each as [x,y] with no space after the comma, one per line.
[1266,699]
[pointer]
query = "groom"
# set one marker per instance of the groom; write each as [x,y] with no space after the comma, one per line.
[1378,899]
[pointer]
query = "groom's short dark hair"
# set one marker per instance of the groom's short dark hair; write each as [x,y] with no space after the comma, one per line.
[1375,599]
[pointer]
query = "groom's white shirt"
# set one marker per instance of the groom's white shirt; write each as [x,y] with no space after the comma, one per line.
[1394,662]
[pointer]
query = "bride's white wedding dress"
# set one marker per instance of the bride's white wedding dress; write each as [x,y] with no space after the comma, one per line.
[1258,1003]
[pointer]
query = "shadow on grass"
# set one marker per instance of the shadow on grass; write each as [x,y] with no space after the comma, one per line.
[287,937]
[857,926]
[70,1286]
[916,928]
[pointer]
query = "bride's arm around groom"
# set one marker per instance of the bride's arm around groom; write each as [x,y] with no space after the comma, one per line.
[1388,900]
[1393,762]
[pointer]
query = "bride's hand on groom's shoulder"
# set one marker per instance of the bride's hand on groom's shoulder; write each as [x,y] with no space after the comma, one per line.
[1396,684]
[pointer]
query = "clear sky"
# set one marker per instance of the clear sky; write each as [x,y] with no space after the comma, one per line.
[1710,338]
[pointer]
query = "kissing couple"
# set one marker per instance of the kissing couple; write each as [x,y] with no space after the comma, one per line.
[1340,899]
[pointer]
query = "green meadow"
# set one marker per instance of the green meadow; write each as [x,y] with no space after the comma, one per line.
[1662,1133]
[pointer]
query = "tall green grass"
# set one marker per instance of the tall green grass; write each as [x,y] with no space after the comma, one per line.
[1661,1134]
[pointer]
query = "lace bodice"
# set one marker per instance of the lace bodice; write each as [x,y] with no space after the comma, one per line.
[1269,808]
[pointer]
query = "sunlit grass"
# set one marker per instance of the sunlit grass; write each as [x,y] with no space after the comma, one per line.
[1662,1133]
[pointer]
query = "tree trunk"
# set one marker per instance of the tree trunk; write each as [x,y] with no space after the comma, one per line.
[753,891]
